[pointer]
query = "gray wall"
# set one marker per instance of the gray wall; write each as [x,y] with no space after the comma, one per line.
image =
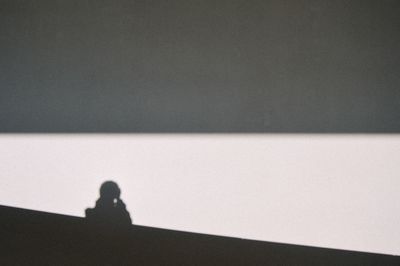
[324,66]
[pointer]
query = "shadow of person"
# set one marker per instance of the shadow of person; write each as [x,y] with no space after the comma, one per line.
[109,228]
[110,210]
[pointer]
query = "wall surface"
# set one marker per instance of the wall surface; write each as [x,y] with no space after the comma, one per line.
[338,191]
[200,66]
[273,70]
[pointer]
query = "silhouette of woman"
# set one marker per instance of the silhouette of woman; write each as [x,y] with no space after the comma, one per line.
[109,209]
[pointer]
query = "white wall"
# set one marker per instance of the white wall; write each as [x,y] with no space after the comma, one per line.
[339,191]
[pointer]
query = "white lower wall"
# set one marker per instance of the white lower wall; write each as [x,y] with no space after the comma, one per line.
[340,191]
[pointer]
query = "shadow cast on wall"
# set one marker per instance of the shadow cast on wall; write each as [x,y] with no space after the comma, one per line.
[37,238]
[109,210]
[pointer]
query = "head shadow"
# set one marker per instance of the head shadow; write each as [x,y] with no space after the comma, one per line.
[109,209]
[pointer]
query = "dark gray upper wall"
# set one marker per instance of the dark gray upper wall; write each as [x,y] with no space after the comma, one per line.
[324,66]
